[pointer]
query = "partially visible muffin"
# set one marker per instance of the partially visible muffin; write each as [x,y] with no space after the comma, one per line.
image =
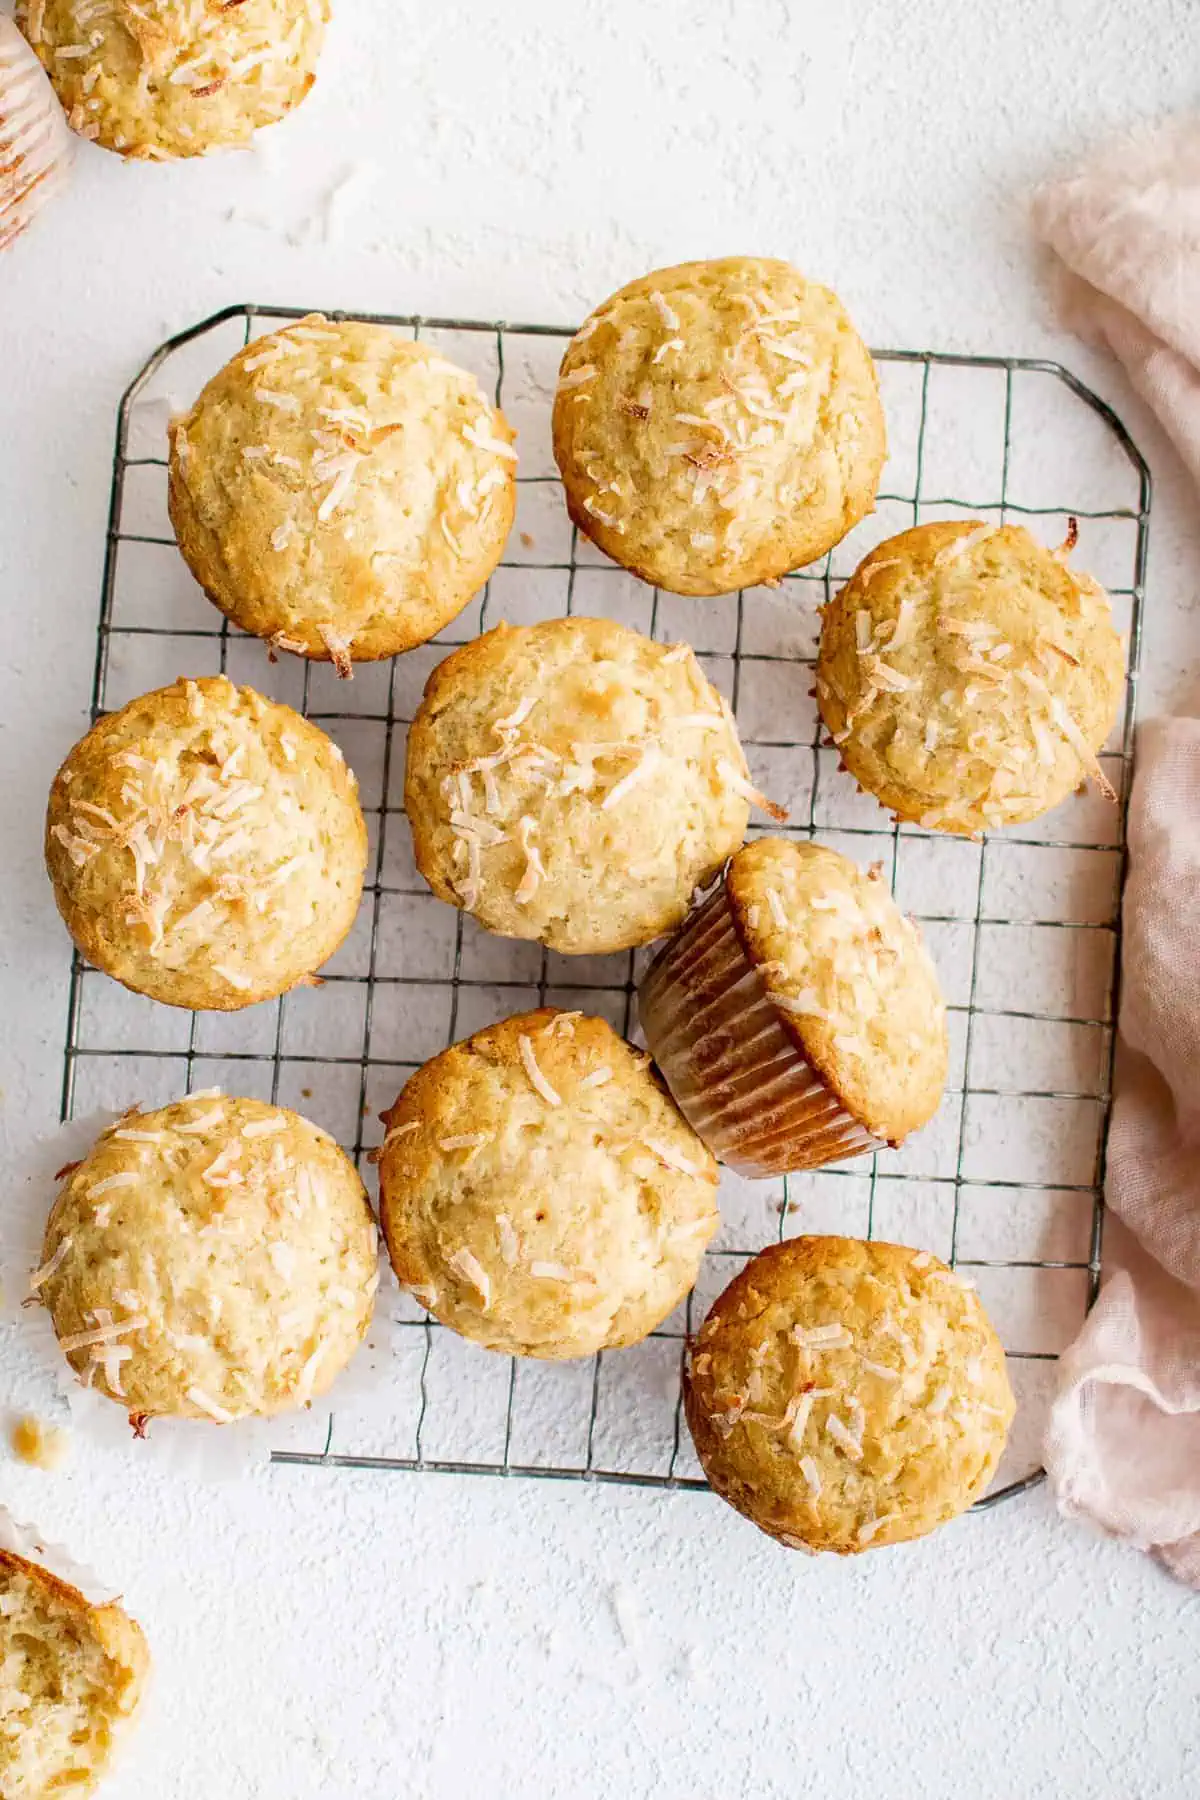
[797,1017]
[844,1394]
[211,1260]
[717,424]
[341,490]
[35,144]
[574,782]
[539,1191]
[158,79]
[968,676]
[206,845]
[71,1678]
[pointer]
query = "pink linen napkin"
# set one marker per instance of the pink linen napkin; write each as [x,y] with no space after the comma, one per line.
[1123,1442]
[1125,231]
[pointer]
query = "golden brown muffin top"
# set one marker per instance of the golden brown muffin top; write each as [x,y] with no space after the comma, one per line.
[163,78]
[718,423]
[541,1193]
[341,490]
[213,1259]
[969,676]
[574,782]
[843,1394]
[206,845]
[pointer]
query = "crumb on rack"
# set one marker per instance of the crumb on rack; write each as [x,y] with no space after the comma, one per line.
[40,1446]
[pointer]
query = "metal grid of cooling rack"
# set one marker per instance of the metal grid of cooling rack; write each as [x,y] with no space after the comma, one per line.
[1005,1183]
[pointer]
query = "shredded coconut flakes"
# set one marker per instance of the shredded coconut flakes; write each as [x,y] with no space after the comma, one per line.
[536,1079]
[843,1437]
[50,1267]
[466,1264]
[673,1158]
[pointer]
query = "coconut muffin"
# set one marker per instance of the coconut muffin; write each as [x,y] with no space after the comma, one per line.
[211,1260]
[340,490]
[35,144]
[717,424]
[156,79]
[540,1193]
[206,845]
[71,1679]
[843,1394]
[574,782]
[969,676]
[797,1018]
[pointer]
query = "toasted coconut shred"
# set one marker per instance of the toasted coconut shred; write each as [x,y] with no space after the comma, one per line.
[553,1271]
[339,651]
[674,1159]
[534,871]
[400,1131]
[741,785]
[206,1404]
[51,1267]
[844,1438]
[465,1263]
[537,1080]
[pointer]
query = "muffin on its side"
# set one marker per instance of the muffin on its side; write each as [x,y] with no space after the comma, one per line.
[540,1193]
[574,782]
[157,79]
[969,677]
[797,1018]
[211,1260]
[206,845]
[844,1394]
[717,424]
[341,490]
[71,1678]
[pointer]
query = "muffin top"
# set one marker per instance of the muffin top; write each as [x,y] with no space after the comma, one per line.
[341,490]
[717,424]
[968,676]
[540,1192]
[206,845]
[574,782]
[164,78]
[853,982]
[71,1677]
[843,1394]
[214,1259]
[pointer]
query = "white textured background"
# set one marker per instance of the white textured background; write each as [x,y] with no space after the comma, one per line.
[337,1635]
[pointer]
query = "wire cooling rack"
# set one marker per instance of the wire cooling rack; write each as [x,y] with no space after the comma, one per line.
[1005,1183]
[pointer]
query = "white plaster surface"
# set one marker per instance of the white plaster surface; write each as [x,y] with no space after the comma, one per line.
[337,1634]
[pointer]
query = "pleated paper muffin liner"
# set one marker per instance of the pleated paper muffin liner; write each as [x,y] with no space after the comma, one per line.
[28,1542]
[35,140]
[737,1075]
[196,1449]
